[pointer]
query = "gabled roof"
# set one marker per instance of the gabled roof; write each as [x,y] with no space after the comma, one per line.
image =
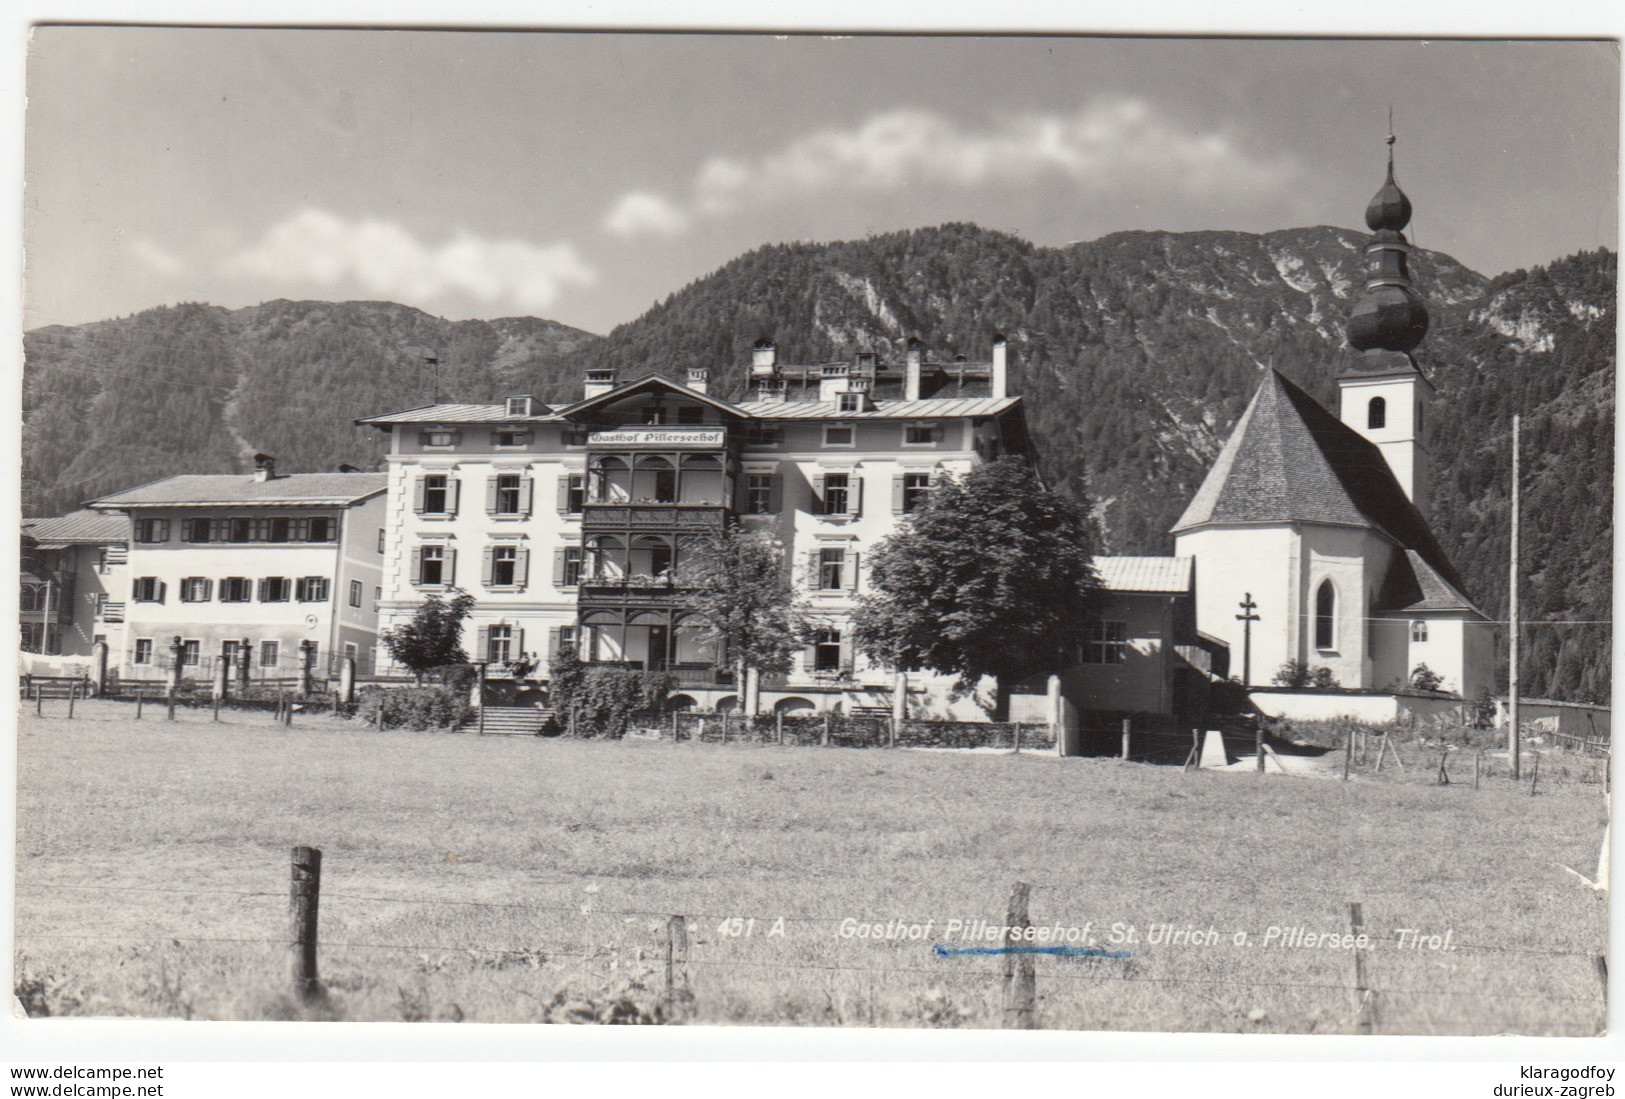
[927,408]
[82,527]
[1290,460]
[647,382]
[1171,575]
[460,414]
[241,490]
[1414,585]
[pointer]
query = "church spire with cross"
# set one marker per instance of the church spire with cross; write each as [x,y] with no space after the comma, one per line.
[1389,315]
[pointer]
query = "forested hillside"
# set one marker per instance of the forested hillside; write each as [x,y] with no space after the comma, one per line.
[1135,354]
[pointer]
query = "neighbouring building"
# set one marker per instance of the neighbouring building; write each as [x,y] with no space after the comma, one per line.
[267,571]
[75,585]
[569,523]
[1319,522]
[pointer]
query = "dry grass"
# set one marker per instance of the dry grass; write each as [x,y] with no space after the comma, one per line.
[521,879]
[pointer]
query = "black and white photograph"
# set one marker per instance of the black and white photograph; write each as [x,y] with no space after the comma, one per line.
[990,532]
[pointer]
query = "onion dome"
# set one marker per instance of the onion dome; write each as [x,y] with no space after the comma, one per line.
[1389,315]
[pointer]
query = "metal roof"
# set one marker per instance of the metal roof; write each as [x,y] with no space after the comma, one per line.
[82,526]
[1172,575]
[929,408]
[241,490]
[460,414]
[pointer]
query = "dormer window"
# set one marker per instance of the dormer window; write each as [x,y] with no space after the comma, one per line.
[851,402]
[520,406]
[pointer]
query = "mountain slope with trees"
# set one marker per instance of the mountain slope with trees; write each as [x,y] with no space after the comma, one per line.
[1135,354]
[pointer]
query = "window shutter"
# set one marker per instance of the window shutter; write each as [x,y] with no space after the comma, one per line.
[486,567]
[809,658]
[526,496]
[555,640]
[482,647]
[417,564]
[208,591]
[849,568]
[558,567]
[564,493]
[846,653]
[417,497]
[775,494]
[818,494]
[454,492]
[519,641]
[897,494]
[162,587]
[812,570]
[450,576]
[521,568]
[854,494]
[490,496]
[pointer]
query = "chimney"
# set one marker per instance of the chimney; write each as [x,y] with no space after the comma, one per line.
[915,362]
[600,380]
[698,378]
[1001,369]
[764,357]
[264,467]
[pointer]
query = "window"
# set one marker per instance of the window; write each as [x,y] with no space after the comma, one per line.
[378,592]
[1106,643]
[143,651]
[313,589]
[242,529]
[231,653]
[149,531]
[1326,616]
[837,435]
[920,435]
[432,565]
[1419,632]
[357,593]
[507,492]
[236,589]
[197,530]
[435,489]
[836,487]
[827,651]
[275,589]
[269,654]
[380,539]
[499,640]
[196,589]
[322,529]
[504,566]
[575,493]
[758,493]
[280,531]
[1376,413]
[573,558]
[439,437]
[148,589]
[916,486]
[350,650]
[191,653]
[831,567]
[850,402]
[510,437]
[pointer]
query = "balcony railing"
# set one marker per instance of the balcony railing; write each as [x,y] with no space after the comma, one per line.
[641,516]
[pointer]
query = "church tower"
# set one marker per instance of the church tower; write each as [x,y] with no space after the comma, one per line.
[1385,396]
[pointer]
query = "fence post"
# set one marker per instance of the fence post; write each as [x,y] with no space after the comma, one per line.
[1348,752]
[1258,743]
[1365,1000]
[674,719]
[140,698]
[73,690]
[1015,736]
[1128,726]
[346,683]
[1534,774]
[725,718]
[303,898]
[1444,767]
[1020,979]
[826,728]
[1478,765]
[676,964]
[778,724]
[217,706]
[171,702]
[39,699]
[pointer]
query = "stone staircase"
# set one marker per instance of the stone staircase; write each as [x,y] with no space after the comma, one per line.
[511,720]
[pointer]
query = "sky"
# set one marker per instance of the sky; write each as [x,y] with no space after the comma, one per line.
[583,176]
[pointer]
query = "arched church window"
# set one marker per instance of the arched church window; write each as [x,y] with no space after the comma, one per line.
[1419,631]
[1325,616]
[1376,413]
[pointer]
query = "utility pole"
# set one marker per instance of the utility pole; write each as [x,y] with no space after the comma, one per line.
[1247,618]
[1512,618]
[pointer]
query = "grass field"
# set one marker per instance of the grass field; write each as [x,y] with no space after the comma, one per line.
[523,879]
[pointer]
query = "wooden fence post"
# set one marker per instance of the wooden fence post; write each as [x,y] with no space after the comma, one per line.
[1478,765]
[73,690]
[725,718]
[1348,752]
[1258,743]
[1015,736]
[1534,774]
[826,728]
[140,698]
[676,965]
[1365,1000]
[217,706]
[674,721]
[778,724]
[1127,727]
[171,701]
[39,699]
[303,899]
[1020,979]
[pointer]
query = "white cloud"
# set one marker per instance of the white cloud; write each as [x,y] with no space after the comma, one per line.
[640,212]
[157,258]
[1110,145]
[385,259]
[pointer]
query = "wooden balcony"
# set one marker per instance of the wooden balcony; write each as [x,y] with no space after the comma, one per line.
[696,518]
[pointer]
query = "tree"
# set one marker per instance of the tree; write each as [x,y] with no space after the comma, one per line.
[742,598]
[433,638]
[1424,678]
[991,575]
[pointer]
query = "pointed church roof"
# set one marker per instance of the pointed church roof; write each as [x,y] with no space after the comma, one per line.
[1414,585]
[1291,461]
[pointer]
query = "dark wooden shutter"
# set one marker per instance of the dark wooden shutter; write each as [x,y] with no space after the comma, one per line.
[417,496]
[519,641]
[449,573]
[564,493]
[897,494]
[775,494]
[526,496]
[559,557]
[417,564]
[521,568]
[555,641]
[488,567]
[208,590]
[818,494]
[491,495]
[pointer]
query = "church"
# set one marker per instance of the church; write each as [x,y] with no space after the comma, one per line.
[1311,532]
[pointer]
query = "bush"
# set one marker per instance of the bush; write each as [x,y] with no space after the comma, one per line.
[1299,676]
[1424,678]
[415,707]
[604,699]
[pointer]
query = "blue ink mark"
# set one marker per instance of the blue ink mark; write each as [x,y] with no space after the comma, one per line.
[943,950]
